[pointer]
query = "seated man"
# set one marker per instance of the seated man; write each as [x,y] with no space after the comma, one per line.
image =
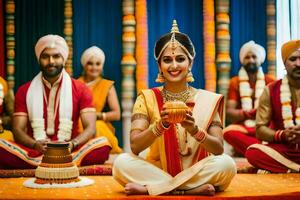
[280,106]
[6,110]
[243,95]
[48,108]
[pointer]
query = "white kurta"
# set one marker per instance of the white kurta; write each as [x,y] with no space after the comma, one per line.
[215,170]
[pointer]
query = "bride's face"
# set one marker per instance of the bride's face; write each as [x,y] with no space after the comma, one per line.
[174,64]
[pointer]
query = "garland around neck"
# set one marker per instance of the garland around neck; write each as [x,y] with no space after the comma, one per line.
[35,107]
[246,91]
[286,108]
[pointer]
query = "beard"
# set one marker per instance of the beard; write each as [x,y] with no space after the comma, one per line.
[295,73]
[51,73]
[251,67]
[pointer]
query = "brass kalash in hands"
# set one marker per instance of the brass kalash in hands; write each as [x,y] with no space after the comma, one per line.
[177,111]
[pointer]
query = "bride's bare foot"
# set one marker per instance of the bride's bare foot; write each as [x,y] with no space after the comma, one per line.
[206,189]
[135,189]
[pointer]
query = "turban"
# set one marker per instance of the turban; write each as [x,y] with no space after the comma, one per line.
[288,48]
[258,50]
[52,41]
[89,53]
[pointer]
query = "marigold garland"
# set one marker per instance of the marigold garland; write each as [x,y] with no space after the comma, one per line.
[223,59]
[209,45]
[141,50]
[128,64]
[10,42]
[271,37]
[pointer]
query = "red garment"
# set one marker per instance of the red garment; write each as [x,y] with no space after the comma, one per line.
[262,161]
[234,89]
[171,143]
[82,99]
[241,141]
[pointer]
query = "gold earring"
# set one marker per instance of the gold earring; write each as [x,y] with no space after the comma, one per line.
[189,77]
[160,78]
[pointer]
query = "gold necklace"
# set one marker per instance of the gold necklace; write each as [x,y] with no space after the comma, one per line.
[180,96]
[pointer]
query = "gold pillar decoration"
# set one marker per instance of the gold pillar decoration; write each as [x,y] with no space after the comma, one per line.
[223,59]
[128,64]
[10,42]
[271,37]
[68,31]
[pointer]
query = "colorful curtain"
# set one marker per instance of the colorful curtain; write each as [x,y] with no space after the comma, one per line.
[99,23]
[34,19]
[247,22]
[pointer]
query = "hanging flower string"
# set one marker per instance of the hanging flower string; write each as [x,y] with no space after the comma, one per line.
[141,50]
[246,91]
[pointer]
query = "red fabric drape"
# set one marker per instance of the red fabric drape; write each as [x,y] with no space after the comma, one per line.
[2,46]
[171,145]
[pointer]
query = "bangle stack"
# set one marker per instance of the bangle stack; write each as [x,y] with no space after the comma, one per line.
[158,129]
[200,136]
[279,136]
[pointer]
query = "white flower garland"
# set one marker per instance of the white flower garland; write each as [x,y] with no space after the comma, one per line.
[286,108]
[246,92]
[35,107]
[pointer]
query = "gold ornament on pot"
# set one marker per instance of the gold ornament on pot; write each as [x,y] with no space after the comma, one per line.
[176,111]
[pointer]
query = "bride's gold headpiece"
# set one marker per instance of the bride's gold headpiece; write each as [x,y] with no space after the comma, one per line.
[174,43]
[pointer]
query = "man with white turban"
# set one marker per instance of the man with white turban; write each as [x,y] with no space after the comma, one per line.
[47,110]
[243,95]
[279,105]
[104,95]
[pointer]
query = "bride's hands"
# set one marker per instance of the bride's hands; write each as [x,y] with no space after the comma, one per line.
[189,123]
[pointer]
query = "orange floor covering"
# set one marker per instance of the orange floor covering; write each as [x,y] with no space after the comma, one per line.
[244,186]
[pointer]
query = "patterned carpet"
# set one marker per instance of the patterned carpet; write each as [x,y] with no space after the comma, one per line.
[244,186]
[91,170]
